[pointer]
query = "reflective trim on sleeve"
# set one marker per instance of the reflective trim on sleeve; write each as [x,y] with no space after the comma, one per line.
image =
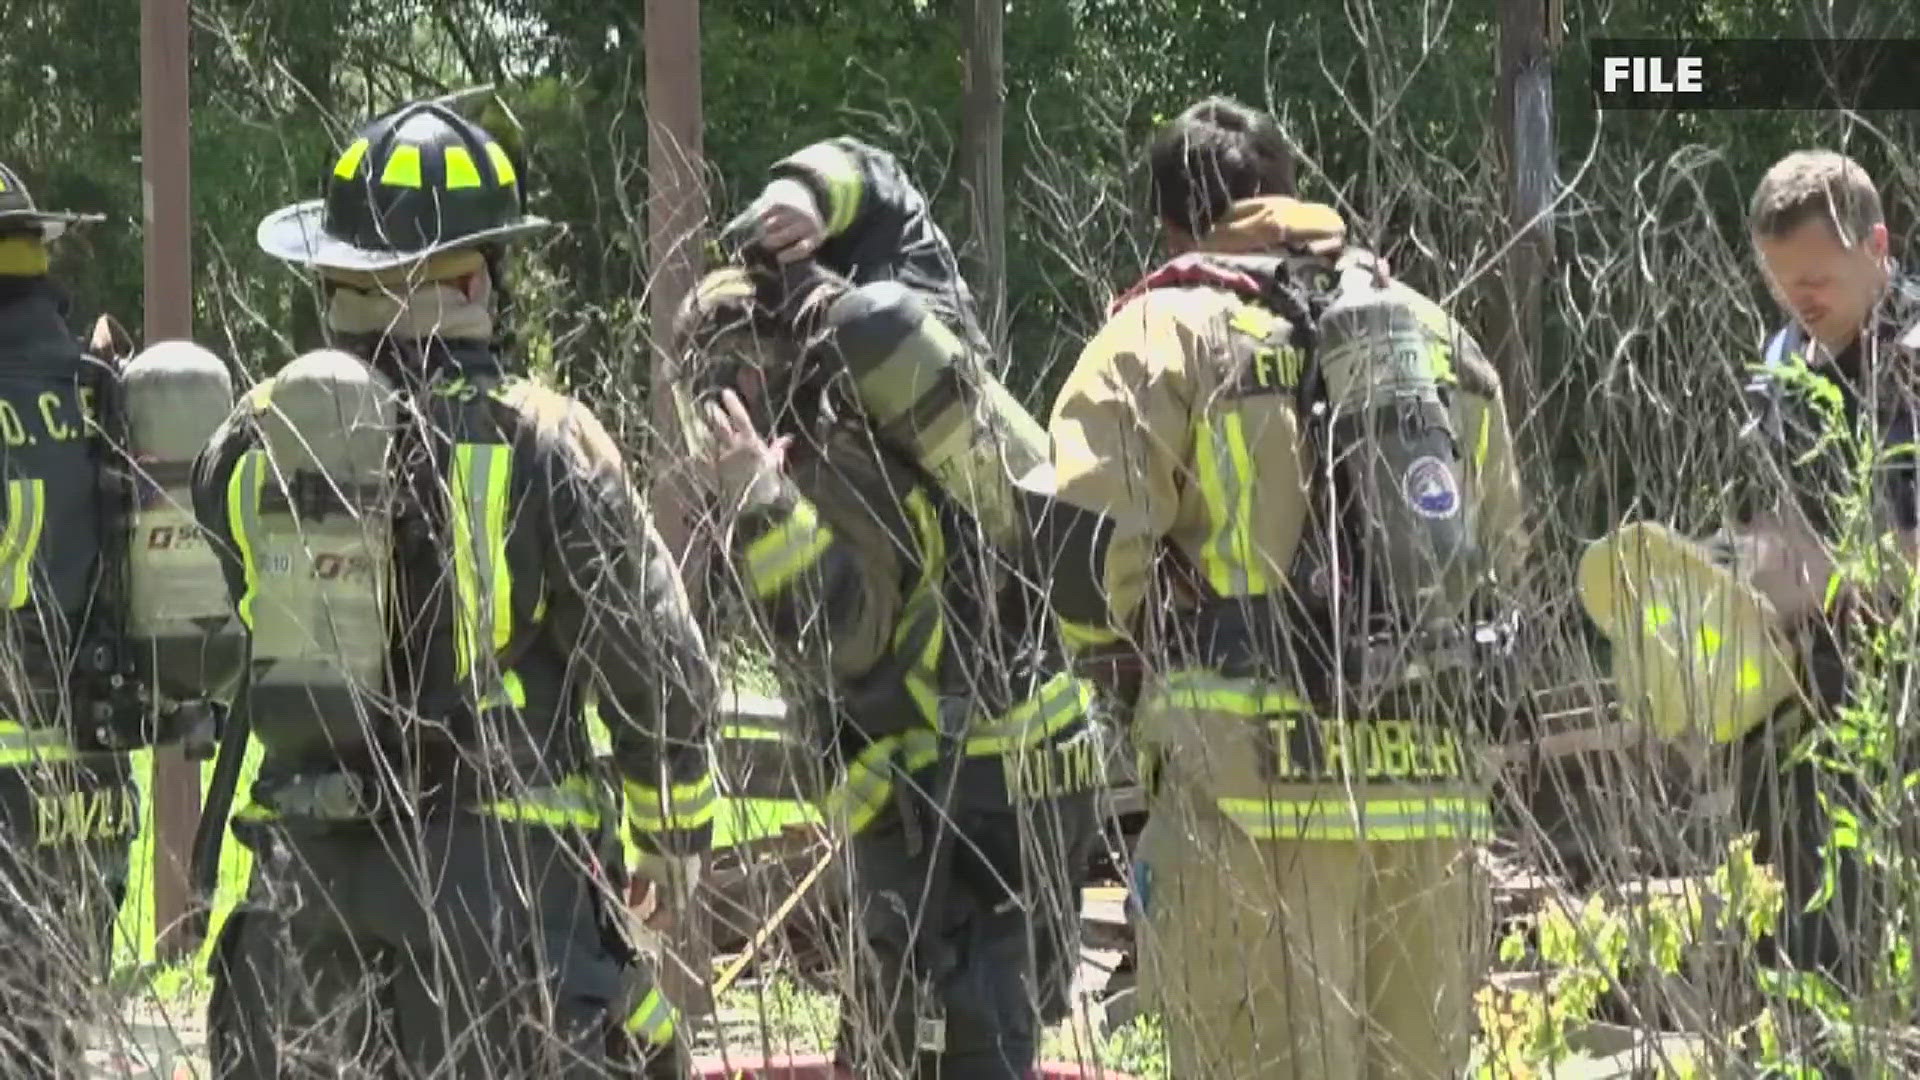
[1063,700]
[653,1020]
[787,550]
[575,802]
[839,173]
[688,805]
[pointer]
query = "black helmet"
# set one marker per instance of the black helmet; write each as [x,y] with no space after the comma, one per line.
[416,182]
[18,213]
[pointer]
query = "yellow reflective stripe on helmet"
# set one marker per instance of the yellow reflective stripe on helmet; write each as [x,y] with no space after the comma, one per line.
[923,615]
[26,516]
[349,162]
[462,172]
[502,164]
[1059,703]
[1441,817]
[574,802]
[1197,689]
[243,520]
[483,582]
[403,168]
[840,173]
[786,551]
[1229,556]
[687,805]
[746,733]
[22,745]
[653,1019]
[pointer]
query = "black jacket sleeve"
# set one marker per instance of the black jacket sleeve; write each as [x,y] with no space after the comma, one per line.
[879,227]
[619,605]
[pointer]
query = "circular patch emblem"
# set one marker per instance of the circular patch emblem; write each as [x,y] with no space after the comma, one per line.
[1429,488]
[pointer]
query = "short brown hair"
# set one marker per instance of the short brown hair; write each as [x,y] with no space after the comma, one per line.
[1810,185]
[1215,152]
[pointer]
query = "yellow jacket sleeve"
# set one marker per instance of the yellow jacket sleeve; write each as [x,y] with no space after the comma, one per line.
[1122,432]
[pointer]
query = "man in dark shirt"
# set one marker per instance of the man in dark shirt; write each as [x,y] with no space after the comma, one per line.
[1823,504]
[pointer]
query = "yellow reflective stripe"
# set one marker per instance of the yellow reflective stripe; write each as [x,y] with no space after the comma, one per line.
[784,552]
[652,1019]
[1198,689]
[836,169]
[243,519]
[254,811]
[461,170]
[22,745]
[512,691]
[599,736]
[1079,635]
[349,162]
[502,164]
[745,733]
[573,802]
[403,168]
[1225,468]
[1441,817]
[1059,703]
[483,582]
[1485,439]
[26,516]
[682,806]
[923,612]
[861,794]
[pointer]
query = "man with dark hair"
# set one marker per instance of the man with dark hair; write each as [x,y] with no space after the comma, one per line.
[1212,155]
[1305,887]
[858,491]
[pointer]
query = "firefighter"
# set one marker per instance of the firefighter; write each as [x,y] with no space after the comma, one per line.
[68,798]
[876,558]
[452,590]
[1305,886]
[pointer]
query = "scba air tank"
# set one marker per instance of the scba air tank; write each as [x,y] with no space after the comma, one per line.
[181,629]
[1394,443]
[315,507]
[928,396]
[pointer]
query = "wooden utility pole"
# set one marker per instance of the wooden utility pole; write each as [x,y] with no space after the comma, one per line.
[982,142]
[165,166]
[676,234]
[676,222]
[1524,111]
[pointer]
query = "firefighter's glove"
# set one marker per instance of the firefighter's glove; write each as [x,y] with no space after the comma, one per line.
[789,224]
[744,465]
[662,886]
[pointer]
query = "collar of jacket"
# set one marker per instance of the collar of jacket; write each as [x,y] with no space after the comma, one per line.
[417,365]
[1268,225]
